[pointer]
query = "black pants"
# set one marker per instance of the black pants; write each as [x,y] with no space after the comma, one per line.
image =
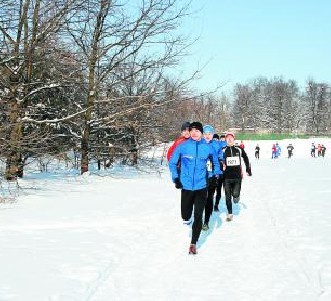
[232,189]
[219,185]
[214,185]
[196,198]
[257,155]
[210,198]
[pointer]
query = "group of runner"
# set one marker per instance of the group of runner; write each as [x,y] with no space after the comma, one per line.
[320,150]
[201,162]
[276,150]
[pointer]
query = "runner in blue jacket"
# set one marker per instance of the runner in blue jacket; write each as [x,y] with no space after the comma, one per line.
[193,155]
[208,132]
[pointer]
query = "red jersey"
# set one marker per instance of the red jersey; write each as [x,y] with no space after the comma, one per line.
[171,149]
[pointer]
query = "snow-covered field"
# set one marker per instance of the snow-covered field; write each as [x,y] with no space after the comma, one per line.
[120,237]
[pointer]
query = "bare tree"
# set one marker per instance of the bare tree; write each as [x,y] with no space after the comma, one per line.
[28,31]
[242,105]
[110,36]
[291,107]
[317,102]
[283,105]
[223,113]
[267,105]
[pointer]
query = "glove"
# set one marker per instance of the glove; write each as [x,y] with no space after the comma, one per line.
[249,172]
[211,181]
[178,184]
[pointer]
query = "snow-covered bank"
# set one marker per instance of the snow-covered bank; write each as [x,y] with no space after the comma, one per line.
[106,238]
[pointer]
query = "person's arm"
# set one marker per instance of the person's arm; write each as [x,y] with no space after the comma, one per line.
[170,151]
[248,166]
[220,156]
[174,161]
[216,162]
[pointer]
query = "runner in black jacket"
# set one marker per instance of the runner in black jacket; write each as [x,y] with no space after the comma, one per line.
[232,161]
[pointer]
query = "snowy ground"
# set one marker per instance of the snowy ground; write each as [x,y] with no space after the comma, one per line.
[79,238]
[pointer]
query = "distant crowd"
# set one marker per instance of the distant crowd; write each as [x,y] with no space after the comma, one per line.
[320,150]
[276,151]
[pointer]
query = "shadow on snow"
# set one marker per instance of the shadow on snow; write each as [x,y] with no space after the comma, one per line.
[216,221]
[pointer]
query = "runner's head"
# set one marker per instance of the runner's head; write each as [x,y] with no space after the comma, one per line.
[196,130]
[229,138]
[185,130]
[208,132]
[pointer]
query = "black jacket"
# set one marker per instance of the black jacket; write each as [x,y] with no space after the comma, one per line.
[232,158]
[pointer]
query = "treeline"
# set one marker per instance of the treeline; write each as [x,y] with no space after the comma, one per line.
[279,106]
[95,76]
[264,105]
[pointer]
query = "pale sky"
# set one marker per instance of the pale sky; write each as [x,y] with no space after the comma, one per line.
[243,39]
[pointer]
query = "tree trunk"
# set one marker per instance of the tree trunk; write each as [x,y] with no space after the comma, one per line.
[103,11]
[87,120]
[14,140]
[84,147]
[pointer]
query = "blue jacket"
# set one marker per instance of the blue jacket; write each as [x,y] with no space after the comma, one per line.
[217,147]
[193,157]
[223,144]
